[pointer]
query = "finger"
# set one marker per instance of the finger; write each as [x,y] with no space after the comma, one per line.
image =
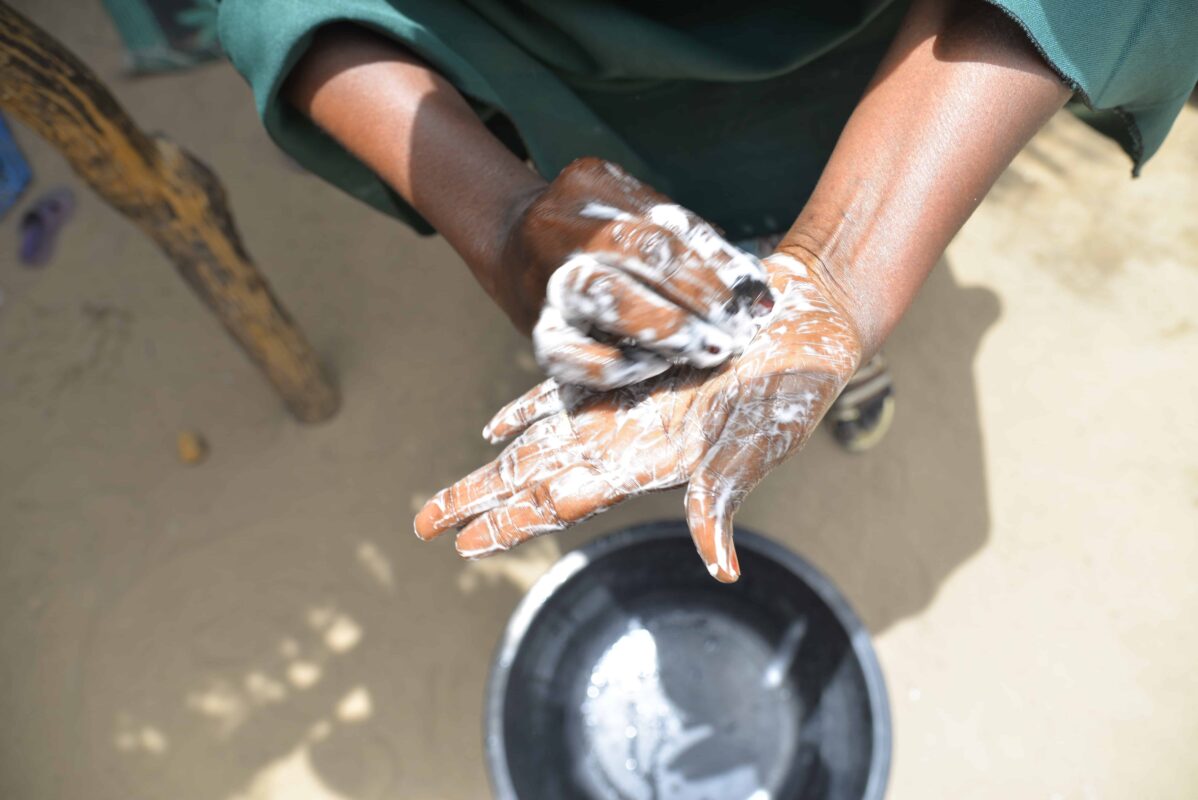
[537,403]
[465,499]
[592,294]
[709,512]
[570,356]
[659,243]
[728,472]
[539,453]
[568,497]
[684,258]
[765,426]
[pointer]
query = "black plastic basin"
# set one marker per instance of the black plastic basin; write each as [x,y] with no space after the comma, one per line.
[627,673]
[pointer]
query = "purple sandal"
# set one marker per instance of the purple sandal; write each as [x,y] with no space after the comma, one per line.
[40,226]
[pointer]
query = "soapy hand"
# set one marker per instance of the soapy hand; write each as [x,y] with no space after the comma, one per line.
[578,452]
[631,283]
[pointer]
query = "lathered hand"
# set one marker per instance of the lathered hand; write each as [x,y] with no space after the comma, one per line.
[720,431]
[632,283]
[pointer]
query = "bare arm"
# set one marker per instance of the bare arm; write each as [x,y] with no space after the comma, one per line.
[961,91]
[627,265]
[415,130]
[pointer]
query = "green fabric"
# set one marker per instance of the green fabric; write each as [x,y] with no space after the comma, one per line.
[1133,63]
[165,35]
[730,107]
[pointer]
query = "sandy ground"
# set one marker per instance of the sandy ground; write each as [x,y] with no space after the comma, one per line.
[265,625]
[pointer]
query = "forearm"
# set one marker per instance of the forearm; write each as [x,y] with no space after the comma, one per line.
[514,230]
[958,95]
[415,130]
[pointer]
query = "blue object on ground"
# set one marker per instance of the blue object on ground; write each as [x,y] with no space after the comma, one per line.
[14,170]
[41,225]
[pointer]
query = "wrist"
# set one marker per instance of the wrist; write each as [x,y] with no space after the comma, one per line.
[834,278]
[516,275]
[499,261]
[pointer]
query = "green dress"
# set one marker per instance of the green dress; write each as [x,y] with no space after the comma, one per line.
[731,107]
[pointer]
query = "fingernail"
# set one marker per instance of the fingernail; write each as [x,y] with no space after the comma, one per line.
[490,435]
[729,575]
[747,295]
[763,305]
[723,566]
[426,522]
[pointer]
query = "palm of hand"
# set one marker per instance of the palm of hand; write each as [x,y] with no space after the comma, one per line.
[719,432]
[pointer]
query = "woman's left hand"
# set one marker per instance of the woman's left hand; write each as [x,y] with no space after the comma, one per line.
[580,452]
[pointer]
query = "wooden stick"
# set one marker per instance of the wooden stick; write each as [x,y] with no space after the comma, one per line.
[171,195]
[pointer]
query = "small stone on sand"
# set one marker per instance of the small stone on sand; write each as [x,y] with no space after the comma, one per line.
[192,447]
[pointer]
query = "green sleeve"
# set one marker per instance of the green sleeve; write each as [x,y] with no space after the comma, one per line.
[265,38]
[732,116]
[1133,63]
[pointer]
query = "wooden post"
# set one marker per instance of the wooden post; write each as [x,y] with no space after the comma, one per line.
[172,196]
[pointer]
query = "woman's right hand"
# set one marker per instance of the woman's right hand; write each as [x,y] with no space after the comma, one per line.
[622,283]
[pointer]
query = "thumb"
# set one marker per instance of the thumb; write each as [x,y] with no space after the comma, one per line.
[712,499]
